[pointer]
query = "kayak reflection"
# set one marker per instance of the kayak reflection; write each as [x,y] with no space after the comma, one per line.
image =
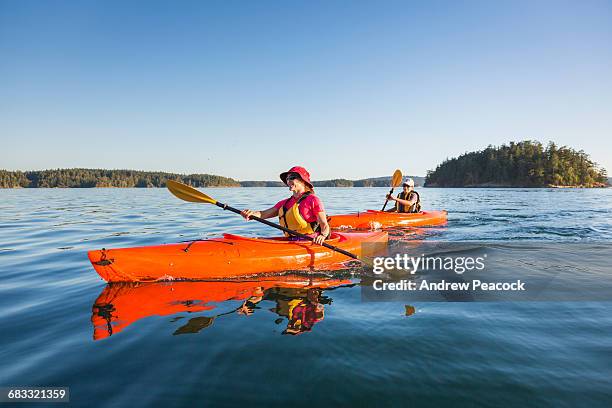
[298,299]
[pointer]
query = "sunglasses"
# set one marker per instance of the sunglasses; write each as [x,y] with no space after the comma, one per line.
[292,177]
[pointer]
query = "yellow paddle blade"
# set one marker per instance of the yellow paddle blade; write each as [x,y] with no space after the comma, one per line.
[187,193]
[396,180]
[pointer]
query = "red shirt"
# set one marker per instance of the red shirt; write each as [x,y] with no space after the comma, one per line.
[309,207]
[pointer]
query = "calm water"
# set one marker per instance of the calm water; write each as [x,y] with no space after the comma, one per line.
[184,344]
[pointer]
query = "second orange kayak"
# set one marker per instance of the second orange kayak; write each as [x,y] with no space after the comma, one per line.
[372,219]
[229,257]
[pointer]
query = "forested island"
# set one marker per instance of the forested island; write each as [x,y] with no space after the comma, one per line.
[522,164]
[83,178]
[87,178]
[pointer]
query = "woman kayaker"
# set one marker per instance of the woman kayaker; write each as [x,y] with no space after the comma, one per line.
[303,212]
[303,314]
[302,310]
[408,201]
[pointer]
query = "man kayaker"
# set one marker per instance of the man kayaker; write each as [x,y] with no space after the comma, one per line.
[302,212]
[407,201]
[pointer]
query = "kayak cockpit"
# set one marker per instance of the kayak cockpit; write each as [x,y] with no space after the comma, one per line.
[335,237]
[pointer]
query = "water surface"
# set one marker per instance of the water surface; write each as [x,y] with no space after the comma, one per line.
[178,345]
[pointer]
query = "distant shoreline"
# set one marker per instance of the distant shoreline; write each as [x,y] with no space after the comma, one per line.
[282,186]
[91,178]
[427,187]
[101,178]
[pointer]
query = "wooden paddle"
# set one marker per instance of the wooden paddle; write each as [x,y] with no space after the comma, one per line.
[396,181]
[187,193]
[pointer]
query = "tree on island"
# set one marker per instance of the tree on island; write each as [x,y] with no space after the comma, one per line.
[522,164]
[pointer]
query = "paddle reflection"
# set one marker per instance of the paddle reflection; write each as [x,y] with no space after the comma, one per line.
[299,302]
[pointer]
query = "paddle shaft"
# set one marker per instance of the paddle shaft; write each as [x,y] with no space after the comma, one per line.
[387,200]
[287,230]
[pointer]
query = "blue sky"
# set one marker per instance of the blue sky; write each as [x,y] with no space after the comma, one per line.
[346,88]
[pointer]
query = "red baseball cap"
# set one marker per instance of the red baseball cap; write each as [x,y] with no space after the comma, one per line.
[300,171]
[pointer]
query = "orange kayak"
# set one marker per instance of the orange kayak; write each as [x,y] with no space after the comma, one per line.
[228,257]
[372,219]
